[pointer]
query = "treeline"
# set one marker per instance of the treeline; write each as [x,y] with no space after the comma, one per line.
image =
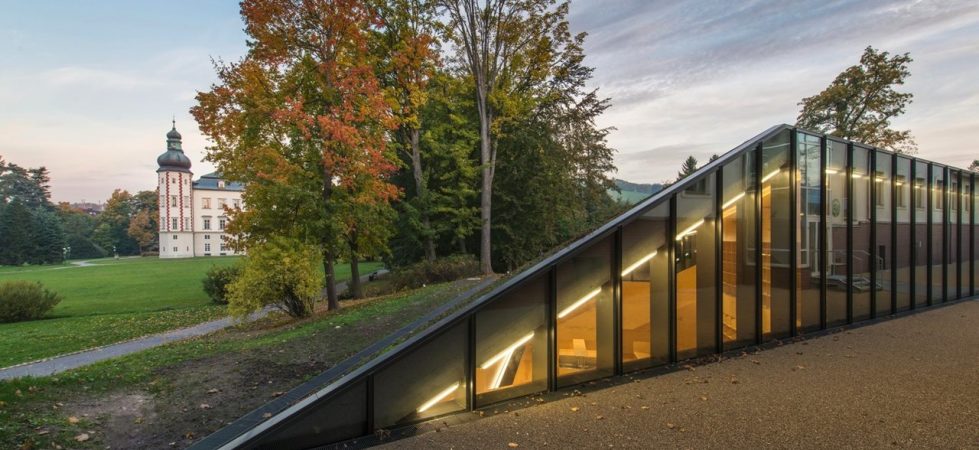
[411,130]
[33,230]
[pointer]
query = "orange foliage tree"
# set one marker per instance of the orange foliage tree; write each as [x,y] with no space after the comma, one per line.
[302,120]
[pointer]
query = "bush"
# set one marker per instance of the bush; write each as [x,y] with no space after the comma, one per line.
[25,300]
[216,282]
[282,272]
[441,270]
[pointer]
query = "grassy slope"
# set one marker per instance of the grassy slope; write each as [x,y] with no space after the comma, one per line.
[112,301]
[178,377]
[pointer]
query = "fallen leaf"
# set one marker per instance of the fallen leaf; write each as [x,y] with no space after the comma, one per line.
[513,445]
[670,425]
[645,407]
[277,393]
[213,391]
[138,420]
[266,415]
[43,432]
[599,417]
[72,420]
[574,409]
[205,406]
[82,437]
[703,397]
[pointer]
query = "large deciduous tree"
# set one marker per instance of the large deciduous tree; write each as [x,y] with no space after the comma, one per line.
[300,117]
[504,45]
[860,103]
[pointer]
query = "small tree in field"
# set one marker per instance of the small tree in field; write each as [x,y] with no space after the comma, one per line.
[281,272]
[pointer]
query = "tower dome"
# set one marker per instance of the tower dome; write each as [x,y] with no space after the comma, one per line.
[174,158]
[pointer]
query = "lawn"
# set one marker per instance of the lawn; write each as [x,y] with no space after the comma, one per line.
[173,395]
[114,300]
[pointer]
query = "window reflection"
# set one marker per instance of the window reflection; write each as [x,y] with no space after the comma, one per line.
[645,284]
[921,243]
[584,315]
[937,234]
[808,274]
[836,231]
[695,271]
[882,250]
[775,237]
[738,229]
[902,268]
[861,260]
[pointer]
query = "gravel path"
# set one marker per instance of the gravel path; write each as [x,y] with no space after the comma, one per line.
[62,363]
[911,382]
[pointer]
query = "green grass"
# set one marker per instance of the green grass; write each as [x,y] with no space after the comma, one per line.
[114,300]
[175,371]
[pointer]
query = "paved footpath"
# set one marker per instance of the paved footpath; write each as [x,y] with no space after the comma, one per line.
[910,382]
[62,363]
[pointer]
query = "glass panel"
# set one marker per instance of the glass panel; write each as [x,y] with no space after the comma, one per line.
[584,315]
[965,243]
[862,245]
[775,237]
[952,284]
[920,201]
[342,417]
[696,287]
[882,251]
[937,234]
[975,235]
[427,382]
[511,344]
[902,269]
[836,261]
[645,289]
[738,229]
[808,274]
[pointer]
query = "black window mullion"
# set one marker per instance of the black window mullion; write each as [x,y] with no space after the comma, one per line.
[823,204]
[793,230]
[671,249]
[758,243]
[873,232]
[849,232]
[912,232]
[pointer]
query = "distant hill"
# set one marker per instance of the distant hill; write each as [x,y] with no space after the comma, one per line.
[633,193]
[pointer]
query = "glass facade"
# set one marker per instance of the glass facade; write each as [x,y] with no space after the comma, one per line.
[789,233]
[862,257]
[837,213]
[808,278]
[922,244]
[883,251]
[739,229]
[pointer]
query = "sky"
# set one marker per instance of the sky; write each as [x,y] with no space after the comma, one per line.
[88,88]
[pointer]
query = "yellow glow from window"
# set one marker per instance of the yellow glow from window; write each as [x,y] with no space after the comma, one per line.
[771,175]
[690,230]
[832,171]
[438,397]
[731,201]
[639,263]
[507,351]
[578,303]
[856,176]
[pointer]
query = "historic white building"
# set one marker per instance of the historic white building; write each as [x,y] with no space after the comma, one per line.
[192,213]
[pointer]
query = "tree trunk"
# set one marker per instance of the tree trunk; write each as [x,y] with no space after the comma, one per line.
[422,191]
[356,288]
[486,196]
[329,259]
[332,303]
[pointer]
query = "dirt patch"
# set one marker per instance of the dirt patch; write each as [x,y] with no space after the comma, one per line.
[193,398]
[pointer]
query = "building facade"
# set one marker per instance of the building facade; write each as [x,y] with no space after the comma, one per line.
[193,213]
[790,233]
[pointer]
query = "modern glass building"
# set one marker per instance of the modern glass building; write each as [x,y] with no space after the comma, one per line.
[790,233]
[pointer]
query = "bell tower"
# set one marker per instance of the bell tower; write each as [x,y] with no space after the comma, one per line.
[174,186]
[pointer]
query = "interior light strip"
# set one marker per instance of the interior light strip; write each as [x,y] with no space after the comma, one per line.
[439,397]
[690,229]
[731,201]
[856,175]
[507,351]
[578,303]
[639,263]
[832,171]
[771,175]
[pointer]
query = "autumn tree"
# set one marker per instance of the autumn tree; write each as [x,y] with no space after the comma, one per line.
[300,116]
[861,102]
[502,44]
[408,62]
